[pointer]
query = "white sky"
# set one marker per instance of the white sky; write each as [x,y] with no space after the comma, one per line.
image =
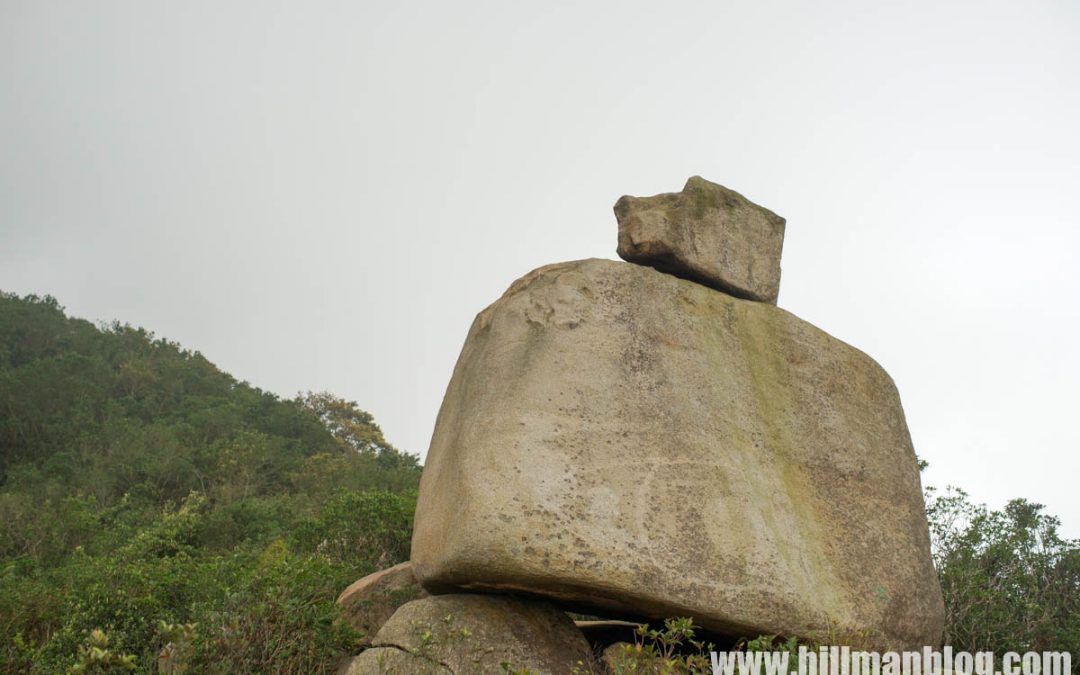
[323,195]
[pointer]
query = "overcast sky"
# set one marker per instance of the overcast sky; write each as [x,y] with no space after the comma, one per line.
[322,195]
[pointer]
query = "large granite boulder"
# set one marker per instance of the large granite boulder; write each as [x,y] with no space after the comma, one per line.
[706,233]
[472,633]
[368,602]
[619,439]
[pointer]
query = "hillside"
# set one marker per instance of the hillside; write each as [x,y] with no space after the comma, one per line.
[157,515]
[140,484]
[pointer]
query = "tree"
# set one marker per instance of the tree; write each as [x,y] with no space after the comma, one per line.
[354,428]
[1010,582]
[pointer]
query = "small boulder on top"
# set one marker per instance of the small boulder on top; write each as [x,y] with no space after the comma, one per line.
[708,234]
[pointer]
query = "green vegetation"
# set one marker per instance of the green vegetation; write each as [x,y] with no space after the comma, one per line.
[673,649]
[196,523]
[1010,582]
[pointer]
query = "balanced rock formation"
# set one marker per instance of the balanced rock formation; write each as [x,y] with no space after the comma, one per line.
[706,233]
[369,602]
[622,439]
[633,443]
[467,634]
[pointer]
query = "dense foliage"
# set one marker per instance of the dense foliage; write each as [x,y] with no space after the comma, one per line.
[195,522]
[1010,582]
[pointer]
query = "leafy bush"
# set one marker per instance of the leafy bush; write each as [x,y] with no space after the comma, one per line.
[1010,582]
[282,619]
[671,650]
[96,657]
[368,530]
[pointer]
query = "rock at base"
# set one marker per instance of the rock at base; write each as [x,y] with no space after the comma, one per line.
[633,444]
[391,661]
[369,602]
[468,633]
[706,233]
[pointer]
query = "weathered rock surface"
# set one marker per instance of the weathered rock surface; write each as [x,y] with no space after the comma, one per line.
[632,443]
[370,601]
[468,633]
[706,233]
[392,661]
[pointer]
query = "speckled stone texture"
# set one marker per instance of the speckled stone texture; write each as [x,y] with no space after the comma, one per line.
[473,634]
[620,439]
[368,602]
